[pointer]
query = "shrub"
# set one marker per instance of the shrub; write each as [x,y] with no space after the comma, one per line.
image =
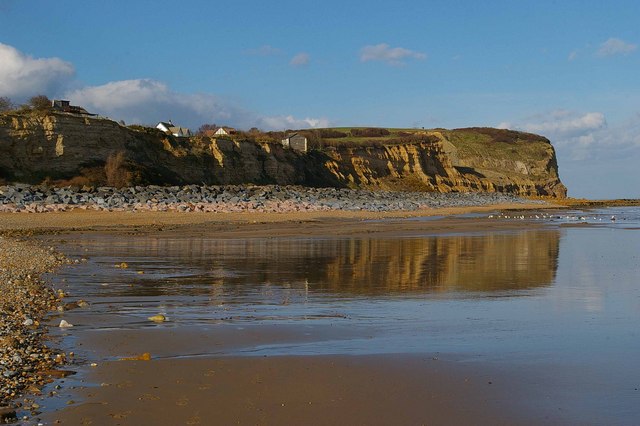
[115,170]
[141,128]
[207,129]
[332,133]
[6,104]
[40,103]
[370,132]
[378,143]
[505,135]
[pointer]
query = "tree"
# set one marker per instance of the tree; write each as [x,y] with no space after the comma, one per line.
[6,104]
[206,129]
[40,103]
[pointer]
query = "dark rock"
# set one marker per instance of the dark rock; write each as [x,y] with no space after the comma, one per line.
[7,414]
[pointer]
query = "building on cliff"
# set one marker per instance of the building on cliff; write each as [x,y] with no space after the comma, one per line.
[295,141]
[171,129]
[65,106]
[224,131]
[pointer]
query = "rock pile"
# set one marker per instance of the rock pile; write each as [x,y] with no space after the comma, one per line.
[25,362]
[236,198]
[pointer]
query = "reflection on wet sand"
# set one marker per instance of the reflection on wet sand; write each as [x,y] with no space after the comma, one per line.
[463,263]
[355,266]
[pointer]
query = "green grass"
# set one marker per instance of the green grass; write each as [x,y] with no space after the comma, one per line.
[498,144]
[395,136]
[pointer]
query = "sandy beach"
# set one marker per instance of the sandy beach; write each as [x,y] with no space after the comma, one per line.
[86,220]
[372,390]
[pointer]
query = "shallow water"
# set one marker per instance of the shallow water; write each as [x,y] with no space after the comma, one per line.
[562,297]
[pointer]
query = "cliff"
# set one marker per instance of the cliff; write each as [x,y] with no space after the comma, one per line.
[60,146]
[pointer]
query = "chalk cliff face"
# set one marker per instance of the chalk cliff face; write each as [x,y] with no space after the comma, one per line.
[61,146]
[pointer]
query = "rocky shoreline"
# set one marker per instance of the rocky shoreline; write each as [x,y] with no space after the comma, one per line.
[233,198]
[26,363]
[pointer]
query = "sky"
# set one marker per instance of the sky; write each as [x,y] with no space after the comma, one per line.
[568,70]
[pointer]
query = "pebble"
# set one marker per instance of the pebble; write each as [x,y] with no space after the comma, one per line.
[232,198]
[157,318]
[24,301]
[7,414]
[65,324]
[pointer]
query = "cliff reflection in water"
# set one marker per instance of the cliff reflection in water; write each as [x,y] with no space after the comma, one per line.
[454,263]
[357,266]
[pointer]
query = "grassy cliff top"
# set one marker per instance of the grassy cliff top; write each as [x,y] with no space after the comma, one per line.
[467,139]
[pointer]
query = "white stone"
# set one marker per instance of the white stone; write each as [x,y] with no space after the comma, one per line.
[65,324]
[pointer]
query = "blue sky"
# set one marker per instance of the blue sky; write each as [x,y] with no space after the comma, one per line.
[565,69]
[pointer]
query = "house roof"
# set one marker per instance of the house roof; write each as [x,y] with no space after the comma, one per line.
[173,129]
[292,135]
[79,110]
[178,129]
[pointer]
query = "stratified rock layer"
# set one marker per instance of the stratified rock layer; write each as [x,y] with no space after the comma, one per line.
[61,146]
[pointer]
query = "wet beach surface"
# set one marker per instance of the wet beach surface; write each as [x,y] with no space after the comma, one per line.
[528,324]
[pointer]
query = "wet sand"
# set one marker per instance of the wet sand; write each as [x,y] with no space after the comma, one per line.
[314,390]
[327,389]
[399,389]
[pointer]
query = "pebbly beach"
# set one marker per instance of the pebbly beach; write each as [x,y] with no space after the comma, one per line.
[27,361]
[234,198]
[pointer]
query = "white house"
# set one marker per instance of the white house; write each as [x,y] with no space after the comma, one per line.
[224,131]
[295,141]
[170,128]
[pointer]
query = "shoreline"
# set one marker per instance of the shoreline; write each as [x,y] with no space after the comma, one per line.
[86,220]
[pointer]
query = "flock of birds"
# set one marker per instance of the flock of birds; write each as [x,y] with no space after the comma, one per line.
[545,216]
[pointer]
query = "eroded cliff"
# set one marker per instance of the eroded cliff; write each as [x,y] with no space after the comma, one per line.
[63,146]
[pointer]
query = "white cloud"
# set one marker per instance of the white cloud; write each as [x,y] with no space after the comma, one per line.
[290,122]
[391,55]
[615,46]
[149,101]
[22,76]
[573,55]
[142,101]
[565,123]
[299,60]
[582,136]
